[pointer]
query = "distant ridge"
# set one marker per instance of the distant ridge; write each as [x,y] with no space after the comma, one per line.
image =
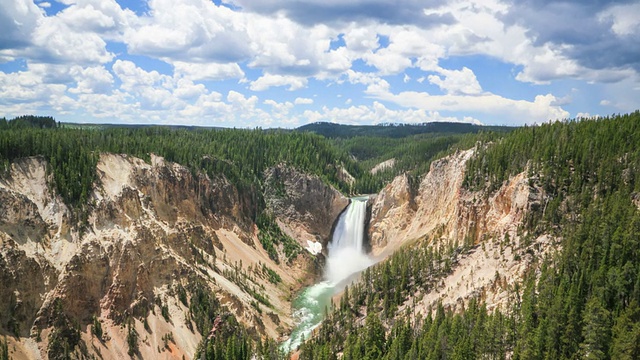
[332,130]
[88,126]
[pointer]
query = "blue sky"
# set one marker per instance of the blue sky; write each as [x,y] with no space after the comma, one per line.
[285,63]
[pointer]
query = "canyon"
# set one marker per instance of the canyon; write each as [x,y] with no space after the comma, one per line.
[156,228]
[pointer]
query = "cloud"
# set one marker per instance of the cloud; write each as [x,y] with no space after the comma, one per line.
[209,105]
[378,113]
[268,80]
[280,112]
[150,89]
[597,35]
[623,18]
[283,47]
[500,109]
[208,71]
[77,34]
[47,86]
[406,44]
[97,79]
[190,31]
[238,109]
[110,107]
[55,42]
[134,78]
[303,101]
[82,59]
[104,17]
[361,39]
[482,30]
[375,84]
[186,90]
[27,88]
[18,19]
[546,40]
[198,31]
[388,62]
[457,82]
[314,12]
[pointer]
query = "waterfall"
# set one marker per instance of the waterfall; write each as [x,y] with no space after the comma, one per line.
[350,228]
[346,253]
[345,258]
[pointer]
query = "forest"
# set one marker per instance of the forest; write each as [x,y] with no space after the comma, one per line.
[581,302]
[396,131]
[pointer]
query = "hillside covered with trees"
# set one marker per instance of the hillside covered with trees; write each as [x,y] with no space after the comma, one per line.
[411,147]
[239,155]
[582,302]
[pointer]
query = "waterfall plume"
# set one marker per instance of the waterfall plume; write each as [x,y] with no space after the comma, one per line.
[346,250]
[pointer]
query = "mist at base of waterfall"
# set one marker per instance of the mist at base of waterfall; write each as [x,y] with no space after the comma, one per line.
[344,263]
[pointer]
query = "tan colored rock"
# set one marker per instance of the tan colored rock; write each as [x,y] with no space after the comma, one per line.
[441,210]
[401,214]
[304,206]
[152,228]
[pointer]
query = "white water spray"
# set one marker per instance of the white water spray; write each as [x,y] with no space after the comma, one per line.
[346,252]
[345,258]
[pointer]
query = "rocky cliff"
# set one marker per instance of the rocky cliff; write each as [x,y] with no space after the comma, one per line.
[158,235]
[304,206]
[440,210]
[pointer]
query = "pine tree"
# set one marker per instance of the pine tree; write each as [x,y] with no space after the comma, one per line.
[4,349]
[625,343]
[595,331]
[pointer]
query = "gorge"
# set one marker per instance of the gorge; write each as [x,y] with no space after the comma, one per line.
[144,256]
[143,210]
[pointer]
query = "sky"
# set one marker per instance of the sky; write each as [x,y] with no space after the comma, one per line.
[286,63]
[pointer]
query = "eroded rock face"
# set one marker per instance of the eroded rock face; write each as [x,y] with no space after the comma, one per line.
[401,213]
[19,217]
[170,191]
[24,283]
[305,207]
[442,211]
[154,228]
[390,210]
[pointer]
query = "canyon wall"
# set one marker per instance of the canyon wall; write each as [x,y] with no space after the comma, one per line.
[155,230]
[305,207]
[440,210]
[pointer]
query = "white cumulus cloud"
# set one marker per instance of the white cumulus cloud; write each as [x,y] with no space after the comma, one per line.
[303,101]
[208,71]
[269,80]
[457,81]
